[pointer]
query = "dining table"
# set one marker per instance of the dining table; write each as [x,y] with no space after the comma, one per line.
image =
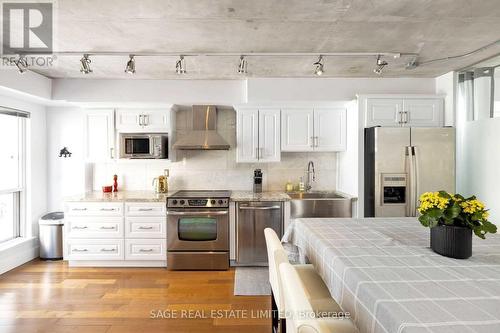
[385,276]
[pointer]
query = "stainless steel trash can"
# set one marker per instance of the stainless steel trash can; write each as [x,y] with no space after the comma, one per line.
[51,236]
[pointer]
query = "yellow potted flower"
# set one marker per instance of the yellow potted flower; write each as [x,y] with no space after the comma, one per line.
[452,219]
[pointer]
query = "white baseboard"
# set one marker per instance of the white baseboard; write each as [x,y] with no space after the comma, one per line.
[19,253]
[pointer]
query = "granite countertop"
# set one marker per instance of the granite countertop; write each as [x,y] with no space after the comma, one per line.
[130,196]
[264,196]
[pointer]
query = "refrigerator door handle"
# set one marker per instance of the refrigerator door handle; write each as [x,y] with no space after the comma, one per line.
[412,204]
[408,170]
[415,180]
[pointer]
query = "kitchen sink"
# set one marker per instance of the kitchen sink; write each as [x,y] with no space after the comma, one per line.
[319,204]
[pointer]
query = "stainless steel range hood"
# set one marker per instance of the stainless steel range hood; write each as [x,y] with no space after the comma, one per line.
[204,135]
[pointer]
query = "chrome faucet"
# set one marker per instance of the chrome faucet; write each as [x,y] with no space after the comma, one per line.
[311,176]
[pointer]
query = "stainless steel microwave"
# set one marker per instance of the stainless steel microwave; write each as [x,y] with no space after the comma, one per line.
[143,145]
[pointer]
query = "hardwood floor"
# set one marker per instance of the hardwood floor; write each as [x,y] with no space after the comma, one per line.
[52,297]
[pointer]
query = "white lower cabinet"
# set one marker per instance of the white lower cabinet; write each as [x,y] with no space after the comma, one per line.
[95,249]
[145,249]
[116,233]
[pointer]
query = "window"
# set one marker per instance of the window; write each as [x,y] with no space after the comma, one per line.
[12,171]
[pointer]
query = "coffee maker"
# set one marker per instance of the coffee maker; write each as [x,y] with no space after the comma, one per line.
[257,181]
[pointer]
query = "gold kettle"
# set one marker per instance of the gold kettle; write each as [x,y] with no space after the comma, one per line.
[160,184]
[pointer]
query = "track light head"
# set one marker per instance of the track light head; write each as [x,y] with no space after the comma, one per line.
[380,65]
[130,68]
[319,70]
[85,64]
[180,66]
[21,64]
[242,67]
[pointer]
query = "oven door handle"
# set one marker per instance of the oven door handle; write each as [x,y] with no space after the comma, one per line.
[207,212]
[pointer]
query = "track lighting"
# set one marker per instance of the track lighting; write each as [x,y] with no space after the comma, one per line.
[380,65]
[85,64]
[412,64]
[180,66]
[319,70]
[130,68]
[21,64]
[242,68]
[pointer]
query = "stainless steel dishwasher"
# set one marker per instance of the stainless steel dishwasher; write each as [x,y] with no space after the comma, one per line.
[251,219]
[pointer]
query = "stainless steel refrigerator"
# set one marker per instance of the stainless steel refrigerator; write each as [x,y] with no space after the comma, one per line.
[402,163]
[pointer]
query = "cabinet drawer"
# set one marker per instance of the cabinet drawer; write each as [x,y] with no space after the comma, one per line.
[145,249]
[95,249]
[98,227]
[145,227]
[146,209]
[94,208]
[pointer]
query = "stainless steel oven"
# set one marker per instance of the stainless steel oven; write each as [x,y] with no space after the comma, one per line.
[198,230]
[143,145]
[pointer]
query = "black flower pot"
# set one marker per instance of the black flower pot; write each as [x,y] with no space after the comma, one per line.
[452,241]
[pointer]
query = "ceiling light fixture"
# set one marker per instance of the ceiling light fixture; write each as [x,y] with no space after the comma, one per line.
[319,70]
[242,67]
[412,64]
[130,68]
[85,64]
[380,65]
[21,64]
[180,66]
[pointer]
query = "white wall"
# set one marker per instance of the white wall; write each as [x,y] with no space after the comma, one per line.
[446,84]
[36,181]
[333,89]
[88,91]
[27,83]
[67,176]
[480,163]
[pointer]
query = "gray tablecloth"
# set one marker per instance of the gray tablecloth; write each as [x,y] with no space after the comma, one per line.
[383,272]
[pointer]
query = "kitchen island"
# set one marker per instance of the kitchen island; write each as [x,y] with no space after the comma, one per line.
[382,271]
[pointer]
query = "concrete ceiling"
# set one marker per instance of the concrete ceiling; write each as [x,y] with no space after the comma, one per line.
[432,28]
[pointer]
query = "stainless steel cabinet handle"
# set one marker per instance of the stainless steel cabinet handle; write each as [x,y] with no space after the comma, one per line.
[111,153]
[259,208]
[145,209]
[146,250]
[145,228]
[146,120]
[79,209]
[108,209]
[108,250]
[79,228]
[405,117]
[108,228]
[80,250]
[316,140]
[141,121]
[399,117]
[312,141]
[197,213]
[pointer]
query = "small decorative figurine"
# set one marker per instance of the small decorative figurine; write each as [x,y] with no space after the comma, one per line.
[115,183]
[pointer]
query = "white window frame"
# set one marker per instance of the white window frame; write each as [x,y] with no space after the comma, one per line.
[20,198]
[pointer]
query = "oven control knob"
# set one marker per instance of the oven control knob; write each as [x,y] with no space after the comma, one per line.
[174,202]
[212,202]
[220,202]
[182,202]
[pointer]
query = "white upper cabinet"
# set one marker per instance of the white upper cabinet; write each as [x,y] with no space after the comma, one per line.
[297,129]
[383,112]
[321,129]
[247,135]
[99,138]
[258,135]
[423,112]
[406,112]
[142,120]
[269,135]
[330,129]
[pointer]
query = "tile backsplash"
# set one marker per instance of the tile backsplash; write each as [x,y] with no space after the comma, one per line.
[216,169]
